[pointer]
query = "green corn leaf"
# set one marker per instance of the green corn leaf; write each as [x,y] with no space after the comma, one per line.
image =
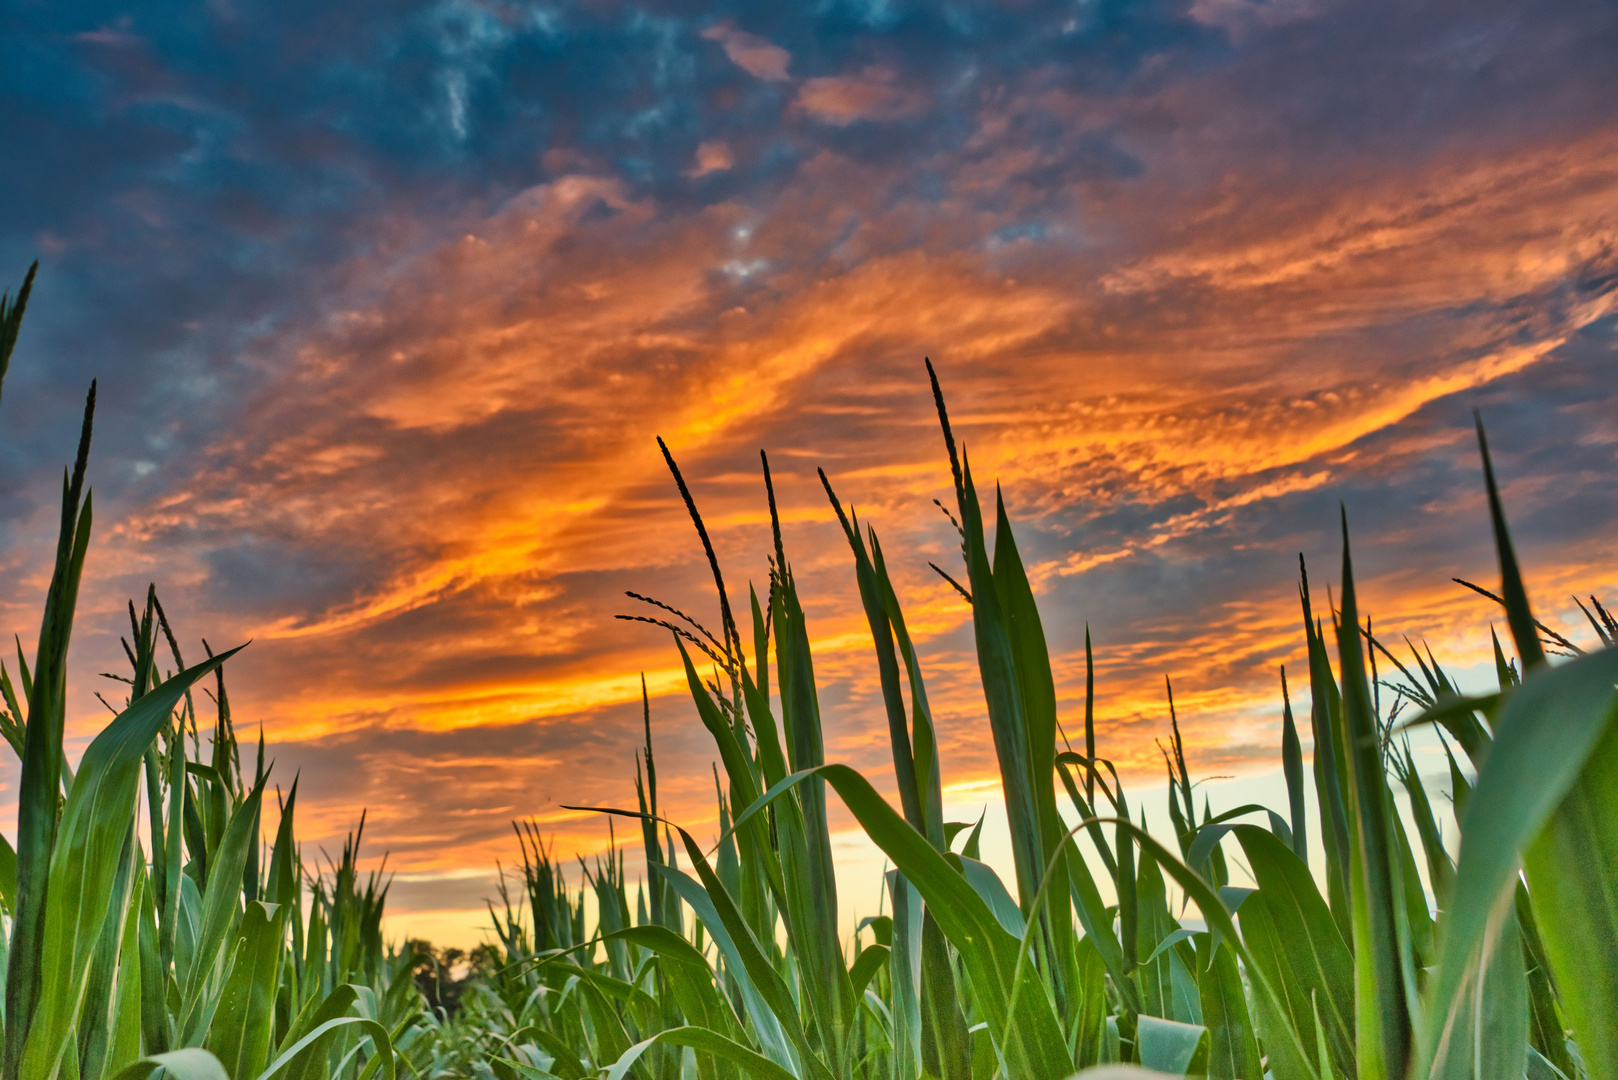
[85,864]
[761,646]
[738,769]
[1037,691]
[1169,942]
[767,738]
[987,884]
[866,965]
[1124,881]
[1488,1035]
[1232,1045]
[1296,944]
[945,1039]
[250,873]
[611,1040]
[176,1065]
[646,791]
[1089,713]
[366,1027]
[1036,685]
[887,664]
[1457,713]
[8,875]
[1035,1045]
[1154,923]
[212,804]
[220,903]
[1440,867]
[517,1070]
[11,313]
[881,927]
[768,1002]
[1513,594]
[315,1013]
[807,867]
[1504,673]
[1545,788]
[1089,1019]
[1323,1052]
[1218,868]
[1086,811]
[169,902]
[1283,1045]
[929,773]
[1008,719]
[711,1042]
[565,1062]
[44,768]
[154,817]
[1416,920]
[1383,976]
[620,990]
[1098,923]
[153,976]
[1541,1068]
[97,1010]
[1571,869]
[188,921]
[1292,766]
[1573,858]
[281,888]
[1182,827]
[972,849]
[1187,1000]
[1171,1047]
[1460,787]
[199,839]
[240,1033]
[25,675]
[128,1012]
[1214,829]
[1546,1034]
[690,979]
[905,967]
[1330,772]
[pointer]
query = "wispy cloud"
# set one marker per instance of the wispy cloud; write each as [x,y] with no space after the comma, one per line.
[872,94]
[751,53]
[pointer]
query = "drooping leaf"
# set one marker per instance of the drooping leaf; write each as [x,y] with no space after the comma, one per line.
[1232,1045]
[189,1064]
[1171,1047]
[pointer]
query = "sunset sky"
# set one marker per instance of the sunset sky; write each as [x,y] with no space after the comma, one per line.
[388,301]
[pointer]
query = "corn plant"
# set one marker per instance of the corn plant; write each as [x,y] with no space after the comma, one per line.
[1499,964]
[186,949]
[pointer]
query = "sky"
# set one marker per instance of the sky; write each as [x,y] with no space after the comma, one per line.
[388,302]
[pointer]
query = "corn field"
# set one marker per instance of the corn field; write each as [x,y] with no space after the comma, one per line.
[153,928]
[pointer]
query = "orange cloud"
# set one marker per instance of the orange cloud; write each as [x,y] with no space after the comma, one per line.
[751,53]
[873,94]
[712,156]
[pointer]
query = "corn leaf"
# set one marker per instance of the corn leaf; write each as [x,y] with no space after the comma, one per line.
[242,1025]
[1559,726]
[84,867]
